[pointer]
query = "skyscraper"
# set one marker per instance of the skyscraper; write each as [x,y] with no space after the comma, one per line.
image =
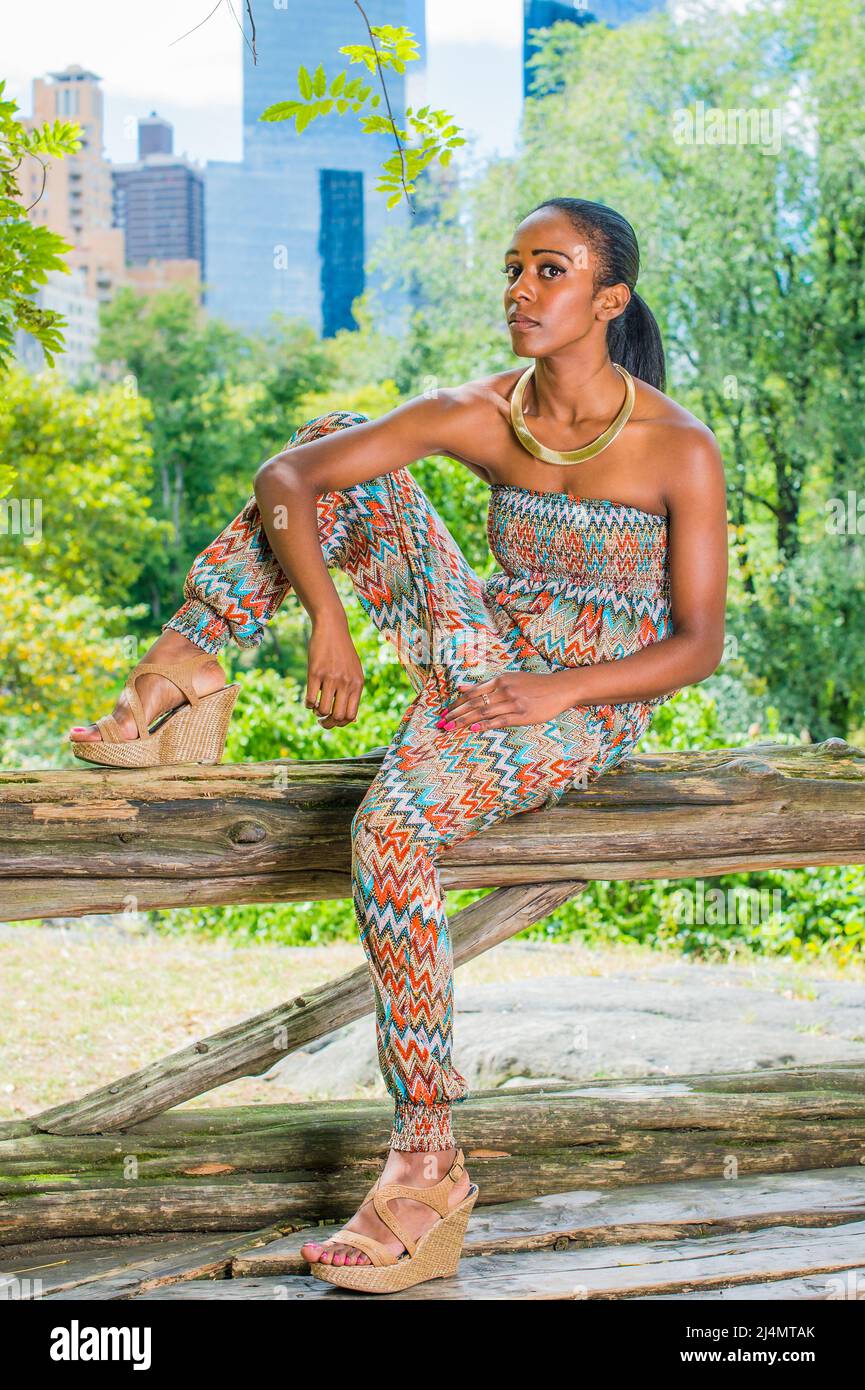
[159,200]
[76,200]
[290,226]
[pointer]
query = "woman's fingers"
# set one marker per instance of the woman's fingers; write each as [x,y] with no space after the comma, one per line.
[494,715]
[344,706]
[346,697]
[353,701]
[327,691]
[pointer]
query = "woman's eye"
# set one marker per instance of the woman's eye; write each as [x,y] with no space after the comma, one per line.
[549,265]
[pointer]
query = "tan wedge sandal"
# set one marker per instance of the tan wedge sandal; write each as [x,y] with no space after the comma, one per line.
[192,733]
[435,1256]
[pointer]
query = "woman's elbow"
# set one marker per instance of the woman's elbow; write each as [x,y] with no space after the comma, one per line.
[707,658]
[273,476]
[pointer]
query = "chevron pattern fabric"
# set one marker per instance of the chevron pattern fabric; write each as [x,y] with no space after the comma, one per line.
[581,580]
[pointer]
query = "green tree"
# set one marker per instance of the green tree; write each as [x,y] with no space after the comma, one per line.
[60,662]
[183,366]
[28,251]
[84,475]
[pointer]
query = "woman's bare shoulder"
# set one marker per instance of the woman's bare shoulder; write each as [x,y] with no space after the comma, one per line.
[477,421]
[690,465]
[495,390]
[479,431]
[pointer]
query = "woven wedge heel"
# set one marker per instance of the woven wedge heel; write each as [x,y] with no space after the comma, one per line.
[192,733]
[435,1256]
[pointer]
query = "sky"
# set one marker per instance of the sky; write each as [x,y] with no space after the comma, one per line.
[474,55]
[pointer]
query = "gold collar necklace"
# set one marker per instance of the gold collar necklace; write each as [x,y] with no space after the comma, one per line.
[588,451]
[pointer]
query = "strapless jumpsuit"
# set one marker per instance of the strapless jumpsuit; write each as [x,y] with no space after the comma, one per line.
[580,581]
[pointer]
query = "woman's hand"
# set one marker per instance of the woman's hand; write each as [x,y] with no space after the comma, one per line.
[514,697]
[335,680]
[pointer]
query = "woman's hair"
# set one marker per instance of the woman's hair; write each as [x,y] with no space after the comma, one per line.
[633,338]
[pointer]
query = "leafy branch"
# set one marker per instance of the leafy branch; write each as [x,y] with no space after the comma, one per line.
[434,132]
[28,251]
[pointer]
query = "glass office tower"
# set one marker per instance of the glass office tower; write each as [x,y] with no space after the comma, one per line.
[289,228]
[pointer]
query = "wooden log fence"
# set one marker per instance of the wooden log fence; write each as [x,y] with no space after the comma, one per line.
[95,840]
[239,1167]
[75,842]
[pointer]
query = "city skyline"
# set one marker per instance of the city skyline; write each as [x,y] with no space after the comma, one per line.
[474,68]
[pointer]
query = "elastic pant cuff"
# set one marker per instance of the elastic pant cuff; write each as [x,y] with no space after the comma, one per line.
[201,625]
[421,1128]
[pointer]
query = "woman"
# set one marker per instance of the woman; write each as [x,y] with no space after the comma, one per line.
[608,516]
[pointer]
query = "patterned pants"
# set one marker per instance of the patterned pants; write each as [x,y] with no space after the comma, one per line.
[434,788]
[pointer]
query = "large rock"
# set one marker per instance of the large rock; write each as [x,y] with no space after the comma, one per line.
[673,1019]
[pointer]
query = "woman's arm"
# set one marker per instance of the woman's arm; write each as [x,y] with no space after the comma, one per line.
[287,485]
[286,489]
[697,530]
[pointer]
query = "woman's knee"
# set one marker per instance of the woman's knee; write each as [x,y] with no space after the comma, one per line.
[325,424]
[380,837]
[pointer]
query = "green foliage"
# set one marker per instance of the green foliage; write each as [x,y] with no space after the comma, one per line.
[84,468]
[202,421]
[59,665]
[28,251]
[434,133]
[797,914]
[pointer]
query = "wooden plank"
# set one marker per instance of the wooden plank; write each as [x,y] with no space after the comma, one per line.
[650,1212]
[609,1272]
[83,841]
[254,1045]
[99,1269]
[847,1285]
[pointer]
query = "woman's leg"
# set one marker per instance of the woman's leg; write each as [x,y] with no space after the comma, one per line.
[235,586]
[231,592]
[432,789]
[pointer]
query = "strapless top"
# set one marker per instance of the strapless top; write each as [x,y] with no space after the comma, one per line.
[583,579]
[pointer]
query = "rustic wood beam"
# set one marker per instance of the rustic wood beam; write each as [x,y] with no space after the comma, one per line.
[108,840]
[253,1046]
[240,1167]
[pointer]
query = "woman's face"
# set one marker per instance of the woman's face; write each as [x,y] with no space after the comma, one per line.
[549,271]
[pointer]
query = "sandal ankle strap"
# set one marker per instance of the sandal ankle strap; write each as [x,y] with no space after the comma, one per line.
[179,673]
[435,1197]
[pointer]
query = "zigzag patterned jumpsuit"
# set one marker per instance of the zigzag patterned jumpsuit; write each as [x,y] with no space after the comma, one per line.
[581,581]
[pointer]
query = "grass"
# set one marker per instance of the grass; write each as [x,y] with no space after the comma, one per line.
[87,1003]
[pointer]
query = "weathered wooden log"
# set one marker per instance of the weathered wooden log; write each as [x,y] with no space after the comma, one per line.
[242,1167]
[253,1046]
[73,842]
[97,1268]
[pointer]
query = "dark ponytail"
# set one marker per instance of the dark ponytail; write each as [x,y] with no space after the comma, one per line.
[633,338]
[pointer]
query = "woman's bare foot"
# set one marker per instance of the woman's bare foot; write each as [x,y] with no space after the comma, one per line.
[412,1170]
[156,693]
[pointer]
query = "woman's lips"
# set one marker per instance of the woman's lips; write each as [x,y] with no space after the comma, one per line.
[519,322]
